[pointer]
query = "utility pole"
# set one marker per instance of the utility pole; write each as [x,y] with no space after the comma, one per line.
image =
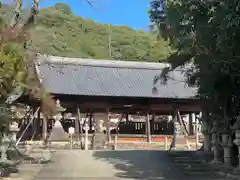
[110,41]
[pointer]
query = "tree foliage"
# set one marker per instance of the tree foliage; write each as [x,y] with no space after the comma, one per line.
[59,32]
[12,62]
[17,61]
[206,35]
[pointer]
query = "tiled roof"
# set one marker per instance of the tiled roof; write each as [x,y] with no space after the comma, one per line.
[77,76]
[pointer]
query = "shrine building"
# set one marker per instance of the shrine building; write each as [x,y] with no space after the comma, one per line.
[98,88]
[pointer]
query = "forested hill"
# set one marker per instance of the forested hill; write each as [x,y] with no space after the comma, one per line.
[59,32]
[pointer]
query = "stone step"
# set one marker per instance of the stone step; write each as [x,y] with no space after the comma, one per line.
[208,176]
[203,175]
[186,161]
[186,170]
[194,166]
[192,159]
[180,155]
[198,167]
[197,173]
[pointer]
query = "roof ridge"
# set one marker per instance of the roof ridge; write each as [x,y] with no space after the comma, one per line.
[101,63]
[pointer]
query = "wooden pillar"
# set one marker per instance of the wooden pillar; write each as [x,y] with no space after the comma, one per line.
[152,123]
[127,118]
[33,124]
[44,130]
[107,125]
[190,123]
[91,122]
[38,120]
[77,123]
[148,128]
[80,134]
[196,133]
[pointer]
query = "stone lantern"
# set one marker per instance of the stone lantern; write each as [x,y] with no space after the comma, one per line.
[216,144]
[13,128]
[236,128]
[4,147]
[58,112]
[58,133]
[59,109]
[227,145]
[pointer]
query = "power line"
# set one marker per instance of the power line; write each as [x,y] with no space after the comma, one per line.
[110,41]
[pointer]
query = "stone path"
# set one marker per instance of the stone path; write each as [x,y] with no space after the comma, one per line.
[105,165]
[109,165]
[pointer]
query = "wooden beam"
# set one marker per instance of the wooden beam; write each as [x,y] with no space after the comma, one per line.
[101,107]
[171,107]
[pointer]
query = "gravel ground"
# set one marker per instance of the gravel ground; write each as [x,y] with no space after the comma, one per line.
[102,165]
[109,165]
[28,171]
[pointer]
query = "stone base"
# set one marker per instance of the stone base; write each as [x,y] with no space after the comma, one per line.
[58,133]
[99,141]
[4,172]
[216,162]
[114,147]
[228,161]
[235,174]
[223,167]
[7,167]
[64,145]
[237,170]
[222,170]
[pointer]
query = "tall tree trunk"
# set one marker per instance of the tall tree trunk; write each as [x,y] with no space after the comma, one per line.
[116,135]
[174,120]
[183,128]
[33,15]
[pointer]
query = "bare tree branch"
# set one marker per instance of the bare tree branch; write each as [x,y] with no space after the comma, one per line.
[90,3]
[17,12]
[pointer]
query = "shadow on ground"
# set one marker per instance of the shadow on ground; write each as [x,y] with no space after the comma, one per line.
[140,164]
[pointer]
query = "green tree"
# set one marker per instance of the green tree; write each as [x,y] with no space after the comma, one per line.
[64,8]
[204,34]
[64,34]
[17,60]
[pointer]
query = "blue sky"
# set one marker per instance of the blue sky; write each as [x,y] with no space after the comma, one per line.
[117,12]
